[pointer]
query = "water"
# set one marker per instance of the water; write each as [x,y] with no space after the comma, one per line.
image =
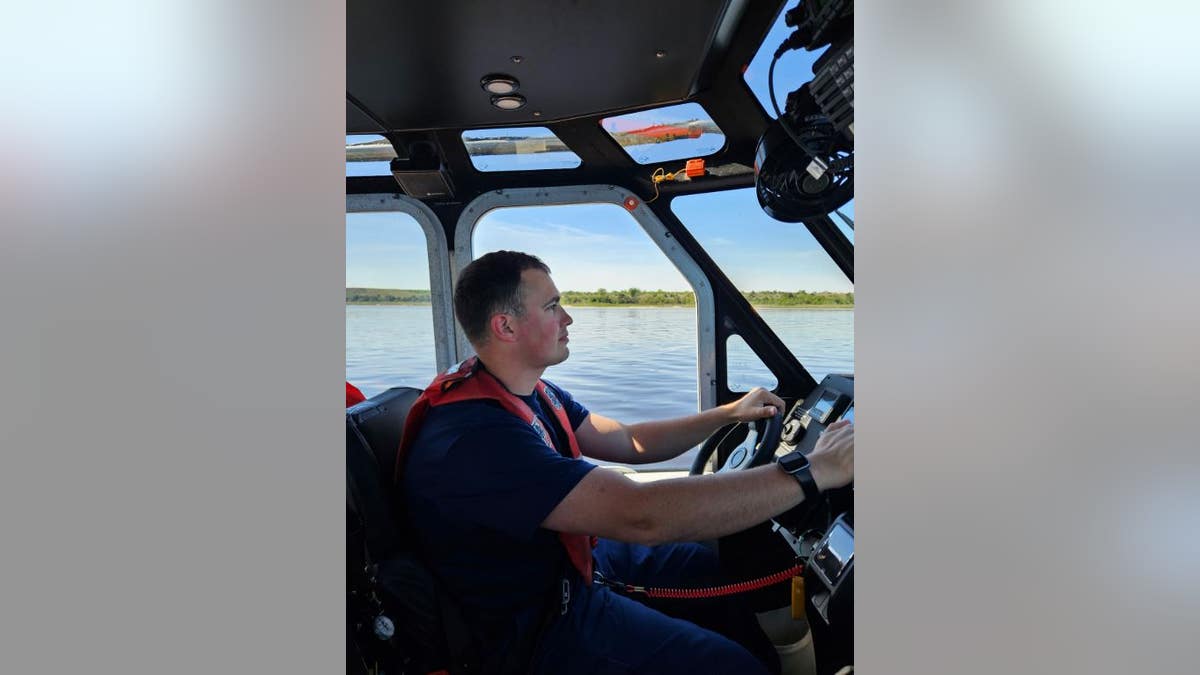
[628,363]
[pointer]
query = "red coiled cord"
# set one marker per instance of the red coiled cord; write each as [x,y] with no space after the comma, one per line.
[712,591]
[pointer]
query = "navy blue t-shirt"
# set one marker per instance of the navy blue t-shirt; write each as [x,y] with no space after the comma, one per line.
[478,483]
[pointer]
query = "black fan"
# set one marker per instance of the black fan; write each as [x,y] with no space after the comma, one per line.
[804,167]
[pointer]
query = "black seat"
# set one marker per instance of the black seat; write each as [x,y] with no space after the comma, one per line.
[384,573]
[380,419]
[373,431]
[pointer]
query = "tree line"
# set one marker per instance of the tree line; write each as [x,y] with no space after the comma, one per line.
[374,296]
[636,296]
[629,296]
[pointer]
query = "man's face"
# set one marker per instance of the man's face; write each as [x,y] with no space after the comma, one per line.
[543,326]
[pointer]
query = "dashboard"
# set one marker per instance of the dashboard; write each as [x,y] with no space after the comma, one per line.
[832,400]
[823,535]
[818,534]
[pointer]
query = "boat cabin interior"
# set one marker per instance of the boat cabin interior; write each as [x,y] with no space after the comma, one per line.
[467,108]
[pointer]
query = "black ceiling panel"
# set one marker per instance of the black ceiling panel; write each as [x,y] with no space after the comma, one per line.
[418,65]
[360,122]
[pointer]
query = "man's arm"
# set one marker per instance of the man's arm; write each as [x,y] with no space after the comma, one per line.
[609,440]
[607,504]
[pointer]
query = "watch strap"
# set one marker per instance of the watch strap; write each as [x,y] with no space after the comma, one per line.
[803,476]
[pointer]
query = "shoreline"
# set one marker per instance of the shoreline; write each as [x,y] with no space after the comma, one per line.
[612,306]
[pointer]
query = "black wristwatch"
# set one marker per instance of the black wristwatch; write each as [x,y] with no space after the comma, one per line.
[796,464]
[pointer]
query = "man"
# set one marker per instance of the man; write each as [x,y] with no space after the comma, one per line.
[502,505]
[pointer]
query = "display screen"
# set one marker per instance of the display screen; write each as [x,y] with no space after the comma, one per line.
[841,543]
[821,408]
[849,414]
[836,553]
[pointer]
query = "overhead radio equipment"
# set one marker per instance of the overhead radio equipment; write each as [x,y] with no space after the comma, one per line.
[804,162]
[420,171]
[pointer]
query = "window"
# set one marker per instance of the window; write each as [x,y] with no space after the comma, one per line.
[369,155]
[793,69]
[844,217]
[744,370]
[520,149]
[389,319]
[666,134]
[782,270]
[633,340]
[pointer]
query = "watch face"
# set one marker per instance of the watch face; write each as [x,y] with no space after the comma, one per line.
[793,461]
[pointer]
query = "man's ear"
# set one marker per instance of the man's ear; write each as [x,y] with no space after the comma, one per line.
[502,327]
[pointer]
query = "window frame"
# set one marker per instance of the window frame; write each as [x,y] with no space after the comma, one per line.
[463,254]
[440,287]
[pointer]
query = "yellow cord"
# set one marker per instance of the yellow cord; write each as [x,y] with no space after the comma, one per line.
[659,176]
[655,178]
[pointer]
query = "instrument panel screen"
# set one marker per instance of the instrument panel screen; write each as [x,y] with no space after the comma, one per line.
[849,414]
[837,552]
[821,409]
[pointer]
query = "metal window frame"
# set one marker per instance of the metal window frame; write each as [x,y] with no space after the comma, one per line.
[440,294]
[463,254]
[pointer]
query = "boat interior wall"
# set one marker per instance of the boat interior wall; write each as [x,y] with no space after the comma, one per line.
[564,69]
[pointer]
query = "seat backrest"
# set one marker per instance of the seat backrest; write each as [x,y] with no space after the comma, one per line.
[381,421]
[431,632]
[373,431]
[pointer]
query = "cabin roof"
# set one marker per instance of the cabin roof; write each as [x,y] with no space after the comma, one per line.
[414,75]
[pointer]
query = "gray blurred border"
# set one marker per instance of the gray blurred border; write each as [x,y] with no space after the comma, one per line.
[1025,339]
[172,270]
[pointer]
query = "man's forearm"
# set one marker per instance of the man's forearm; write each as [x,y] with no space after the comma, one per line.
[608,504]
[716,505]
[660,440]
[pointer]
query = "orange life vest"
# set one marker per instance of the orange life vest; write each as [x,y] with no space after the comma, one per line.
[470,381]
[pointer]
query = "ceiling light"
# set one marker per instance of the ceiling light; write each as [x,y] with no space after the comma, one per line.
[499,84]
[510,102]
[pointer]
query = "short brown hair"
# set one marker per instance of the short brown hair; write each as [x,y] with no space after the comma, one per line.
[490,285]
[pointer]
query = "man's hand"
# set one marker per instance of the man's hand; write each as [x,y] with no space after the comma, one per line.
[757,404]
[832,459]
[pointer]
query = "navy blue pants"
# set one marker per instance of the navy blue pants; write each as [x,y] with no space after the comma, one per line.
[605,631]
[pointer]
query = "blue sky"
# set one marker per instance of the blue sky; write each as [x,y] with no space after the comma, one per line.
[599,245]
[590,246]
[385,250]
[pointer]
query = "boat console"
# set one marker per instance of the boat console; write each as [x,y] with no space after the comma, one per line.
[832,400]
[820,535]
[829,595]
[824,536]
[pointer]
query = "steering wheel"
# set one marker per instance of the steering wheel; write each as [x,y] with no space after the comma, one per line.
[741,458]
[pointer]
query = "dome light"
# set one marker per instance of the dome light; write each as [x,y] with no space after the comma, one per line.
[499,84]
[510,102]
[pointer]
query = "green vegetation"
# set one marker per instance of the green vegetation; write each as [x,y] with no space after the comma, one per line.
[800,299]
[388,296]
[632,296]
[628,297]
[635,296]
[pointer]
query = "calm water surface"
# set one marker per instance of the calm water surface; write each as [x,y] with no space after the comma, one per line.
[631,364]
